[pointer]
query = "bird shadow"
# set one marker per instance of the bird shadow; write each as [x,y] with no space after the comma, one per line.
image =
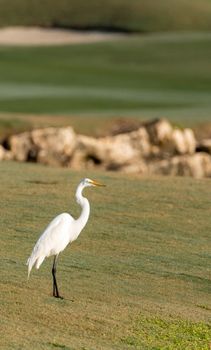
[62,300]
[39,182]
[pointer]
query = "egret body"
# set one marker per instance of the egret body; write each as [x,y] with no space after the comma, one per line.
[61,231]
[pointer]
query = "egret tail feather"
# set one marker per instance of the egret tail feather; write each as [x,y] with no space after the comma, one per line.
[30,262]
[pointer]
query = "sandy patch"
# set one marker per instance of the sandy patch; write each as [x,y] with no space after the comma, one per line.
[43,36]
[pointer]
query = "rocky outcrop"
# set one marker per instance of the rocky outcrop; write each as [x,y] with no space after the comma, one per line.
[5,154]
[48,146]
[204,146]
[20,146]
[197,165]
[171,140]
[111,152]
[154,148]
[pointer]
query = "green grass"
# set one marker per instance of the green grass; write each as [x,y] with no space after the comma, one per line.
[135,15]
[164,75]
[138,277]
[155,333]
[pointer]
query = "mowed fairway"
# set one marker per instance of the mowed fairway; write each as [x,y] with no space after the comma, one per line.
[138,277]
[166,75]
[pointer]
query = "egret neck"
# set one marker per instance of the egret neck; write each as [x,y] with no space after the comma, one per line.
[84,203]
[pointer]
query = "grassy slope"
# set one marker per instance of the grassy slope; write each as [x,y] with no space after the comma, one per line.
[140,268]
[152,76]
[138,15]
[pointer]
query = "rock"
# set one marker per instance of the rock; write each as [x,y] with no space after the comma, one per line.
[111,152]
[141,142]
[54,146]
[169,140]
[2,152]
[122,149]
[59,140]
[5,154]
[178,142]
[88,153]
[154,148]
[190,141]
[197,165]
[183,141]
[21,146]
[159,130]
[204,146]
[139,167]
[47,146]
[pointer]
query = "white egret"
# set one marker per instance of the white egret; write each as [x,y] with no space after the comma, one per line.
[61,231]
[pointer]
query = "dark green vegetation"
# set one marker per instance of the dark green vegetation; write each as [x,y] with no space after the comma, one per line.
[138,277]
[165,75]
[124,15]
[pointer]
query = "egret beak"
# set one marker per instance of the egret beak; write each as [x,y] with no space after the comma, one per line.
[95,183]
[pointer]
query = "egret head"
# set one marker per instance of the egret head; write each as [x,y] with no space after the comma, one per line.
[88,182]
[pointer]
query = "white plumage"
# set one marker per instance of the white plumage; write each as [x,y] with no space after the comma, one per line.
[53,240]
[61,231]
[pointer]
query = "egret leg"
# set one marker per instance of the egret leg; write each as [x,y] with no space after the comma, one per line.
[55,286]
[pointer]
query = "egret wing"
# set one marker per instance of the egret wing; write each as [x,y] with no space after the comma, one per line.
[53,240]
[55,235]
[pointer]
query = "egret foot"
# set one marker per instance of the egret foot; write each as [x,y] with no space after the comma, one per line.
[58,297]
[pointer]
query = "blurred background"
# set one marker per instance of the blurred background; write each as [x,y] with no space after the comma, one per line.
[96,62]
